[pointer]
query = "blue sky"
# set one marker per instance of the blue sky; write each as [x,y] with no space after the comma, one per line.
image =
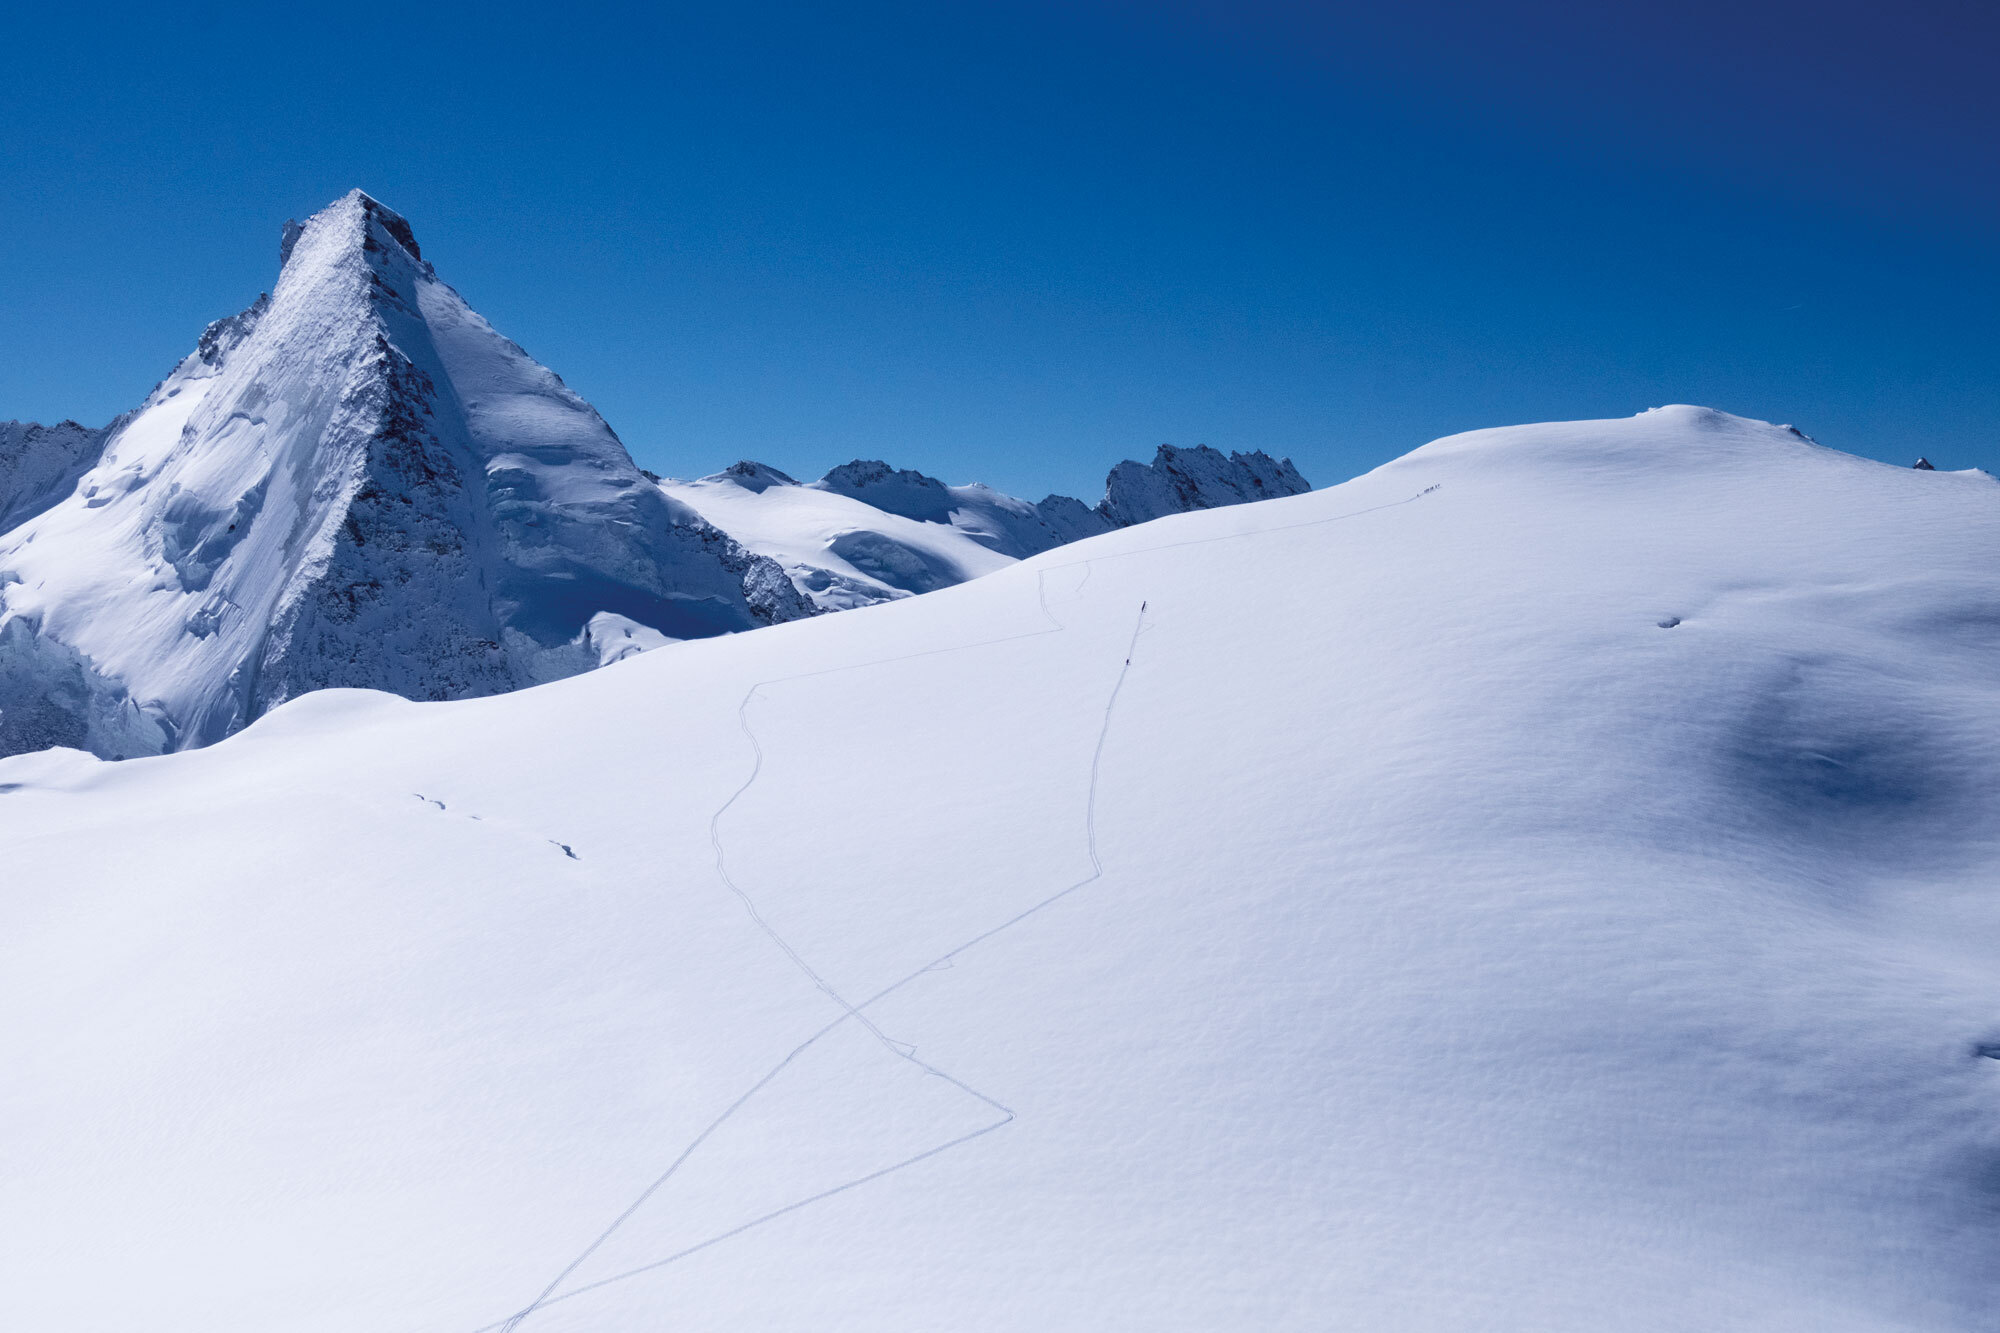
[1015,243]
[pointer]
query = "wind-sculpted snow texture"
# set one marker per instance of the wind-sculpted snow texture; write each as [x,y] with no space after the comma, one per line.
[866,532]
[1582,919]
[355,482]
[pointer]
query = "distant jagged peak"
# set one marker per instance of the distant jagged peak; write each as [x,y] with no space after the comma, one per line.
[39,465]
[32,428]
[1071,519]
[874,472]
[222,336]
[901,491]
[1182,479]
[868,532]
[752,476]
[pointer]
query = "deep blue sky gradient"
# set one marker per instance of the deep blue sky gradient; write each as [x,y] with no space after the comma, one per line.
[1016,243]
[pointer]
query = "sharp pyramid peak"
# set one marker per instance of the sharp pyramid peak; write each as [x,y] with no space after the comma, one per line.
[357,481]
[354,219]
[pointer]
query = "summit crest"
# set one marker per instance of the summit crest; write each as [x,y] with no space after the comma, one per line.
[355,482]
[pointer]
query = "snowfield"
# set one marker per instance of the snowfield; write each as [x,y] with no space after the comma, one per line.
[1548,883]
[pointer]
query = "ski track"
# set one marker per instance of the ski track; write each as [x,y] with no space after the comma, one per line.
[850,1010]
[564,847]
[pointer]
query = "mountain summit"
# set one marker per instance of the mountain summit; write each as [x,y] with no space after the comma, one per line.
[355,482]
[358,482]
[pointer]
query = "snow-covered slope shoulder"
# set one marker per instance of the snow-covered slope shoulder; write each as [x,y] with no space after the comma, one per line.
[1580,919]
[867,532]
[354,482]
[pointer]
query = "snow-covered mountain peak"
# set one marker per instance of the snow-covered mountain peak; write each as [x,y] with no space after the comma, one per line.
[903,491]
[38,464]
[356,481]
[356,224]
[1183,479]
[753,477]
[868,532]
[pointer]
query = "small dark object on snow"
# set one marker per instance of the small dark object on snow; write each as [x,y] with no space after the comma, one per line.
[1989,1050]
[1670,622]
[1923,465]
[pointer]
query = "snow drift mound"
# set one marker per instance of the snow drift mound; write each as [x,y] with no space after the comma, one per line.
[1562,900]
[354,482]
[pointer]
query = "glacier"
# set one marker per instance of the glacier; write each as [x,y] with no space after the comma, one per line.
[1544,884]
[866,532]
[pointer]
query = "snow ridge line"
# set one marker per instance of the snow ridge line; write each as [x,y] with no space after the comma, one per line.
[902,1050]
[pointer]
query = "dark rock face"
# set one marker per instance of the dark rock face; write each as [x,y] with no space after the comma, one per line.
[893,491]
[754,477]
[368,619]
[1071,519]
[1181,480]
[1176,482]
[40,465]
[866,561]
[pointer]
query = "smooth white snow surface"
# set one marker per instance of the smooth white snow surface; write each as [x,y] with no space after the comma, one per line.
[1548,883]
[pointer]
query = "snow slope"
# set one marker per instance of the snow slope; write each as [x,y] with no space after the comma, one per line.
[1563,900]
[357,481]
[866,532]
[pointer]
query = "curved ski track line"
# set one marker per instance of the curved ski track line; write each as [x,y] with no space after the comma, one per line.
[901,1050]
[850,1010]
